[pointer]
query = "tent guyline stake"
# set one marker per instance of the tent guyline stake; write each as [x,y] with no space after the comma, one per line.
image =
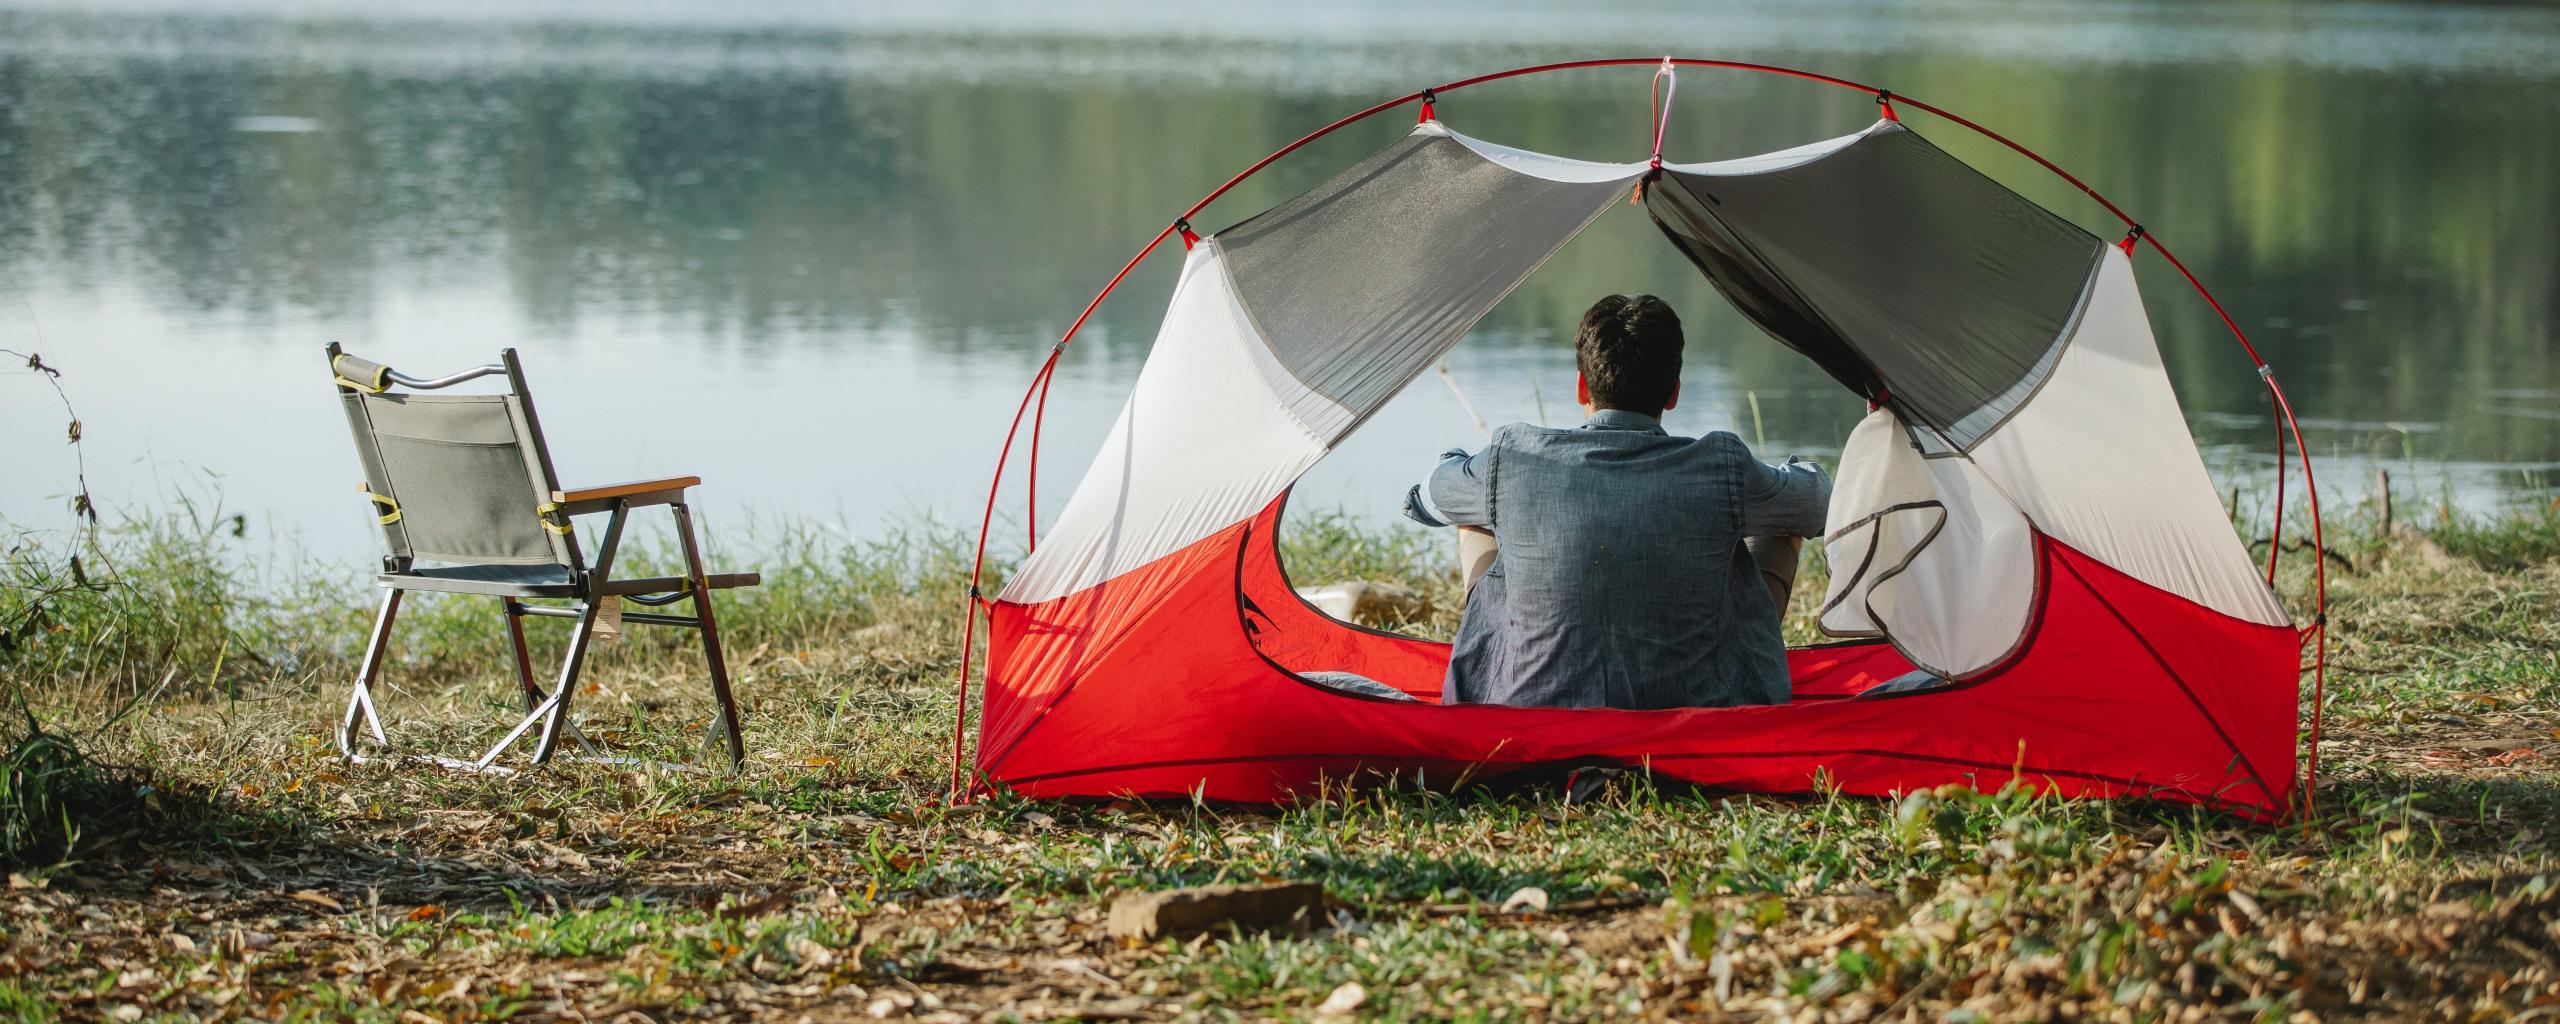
[1884,100]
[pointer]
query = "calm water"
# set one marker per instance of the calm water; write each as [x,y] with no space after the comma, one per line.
[832,246]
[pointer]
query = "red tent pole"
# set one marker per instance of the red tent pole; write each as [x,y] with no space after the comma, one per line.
[978,564]
[2284,408]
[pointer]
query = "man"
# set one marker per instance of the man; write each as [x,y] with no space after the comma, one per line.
[1622,579]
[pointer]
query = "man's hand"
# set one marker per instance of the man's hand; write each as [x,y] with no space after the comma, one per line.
[1476,548]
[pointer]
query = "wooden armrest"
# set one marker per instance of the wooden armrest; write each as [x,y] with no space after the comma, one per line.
[636,492]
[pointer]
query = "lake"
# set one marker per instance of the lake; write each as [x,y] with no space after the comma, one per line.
[814,254]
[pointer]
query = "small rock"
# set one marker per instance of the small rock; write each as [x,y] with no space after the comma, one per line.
[1344,999]
[1142,917]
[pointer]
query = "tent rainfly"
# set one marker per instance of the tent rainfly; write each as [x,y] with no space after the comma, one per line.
[2032,577]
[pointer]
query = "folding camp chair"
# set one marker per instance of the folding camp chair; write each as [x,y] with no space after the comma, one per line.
[465,481]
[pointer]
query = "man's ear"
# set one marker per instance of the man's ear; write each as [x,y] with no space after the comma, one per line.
[1581,390]
[1672,402]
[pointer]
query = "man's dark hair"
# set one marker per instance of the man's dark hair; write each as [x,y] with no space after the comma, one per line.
[1628,349]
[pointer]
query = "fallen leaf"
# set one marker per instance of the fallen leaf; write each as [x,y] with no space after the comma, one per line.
[1344,999]
[2517,756]
[425,913]
[1833,938]
[319,899]
[1527,898]
[772,901]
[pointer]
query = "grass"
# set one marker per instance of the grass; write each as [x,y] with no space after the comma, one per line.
[226,864]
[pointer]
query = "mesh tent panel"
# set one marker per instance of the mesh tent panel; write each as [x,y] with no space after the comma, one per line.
[1359,283]
[1897,268]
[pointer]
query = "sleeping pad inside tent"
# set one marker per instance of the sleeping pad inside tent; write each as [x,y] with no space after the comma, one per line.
[2032,577]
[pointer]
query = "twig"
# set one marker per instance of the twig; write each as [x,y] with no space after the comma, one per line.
[1472,414]
[2340,560]
[82,507]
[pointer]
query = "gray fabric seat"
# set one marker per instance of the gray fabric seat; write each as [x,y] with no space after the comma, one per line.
[515,580]
[543,581]
[464,481]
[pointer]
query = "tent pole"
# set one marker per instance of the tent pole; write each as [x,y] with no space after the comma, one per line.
[1031,484]
[2320,584]
[978,565]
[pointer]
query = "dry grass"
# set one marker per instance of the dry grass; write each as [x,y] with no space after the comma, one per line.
[243,871]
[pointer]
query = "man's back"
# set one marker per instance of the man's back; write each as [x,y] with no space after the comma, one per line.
[1621,580]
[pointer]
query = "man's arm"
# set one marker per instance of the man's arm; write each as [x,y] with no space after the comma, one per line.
[1785,501]
[1459,492]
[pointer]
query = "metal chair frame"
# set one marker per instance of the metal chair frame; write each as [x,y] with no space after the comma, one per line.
[589,588]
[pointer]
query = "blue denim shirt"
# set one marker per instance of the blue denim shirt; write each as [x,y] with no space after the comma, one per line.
[1621,580]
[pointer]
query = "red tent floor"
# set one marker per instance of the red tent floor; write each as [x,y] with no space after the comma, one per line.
[1180,678]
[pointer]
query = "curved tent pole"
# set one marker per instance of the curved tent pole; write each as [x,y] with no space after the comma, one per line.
[2318,630]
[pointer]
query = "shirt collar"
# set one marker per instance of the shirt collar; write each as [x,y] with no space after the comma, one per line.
[1620,419]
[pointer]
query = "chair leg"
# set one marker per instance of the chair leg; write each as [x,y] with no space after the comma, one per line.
[533,695]
[524,657]
[360,698]
[553,712]
[726,727]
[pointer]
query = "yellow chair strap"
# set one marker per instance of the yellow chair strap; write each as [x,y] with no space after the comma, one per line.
[546,511]
[390,507]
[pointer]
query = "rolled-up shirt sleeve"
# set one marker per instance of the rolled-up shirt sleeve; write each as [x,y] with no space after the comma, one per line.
[1785,501]
[1459,492]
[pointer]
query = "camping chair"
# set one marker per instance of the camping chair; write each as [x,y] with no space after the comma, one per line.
[466,482]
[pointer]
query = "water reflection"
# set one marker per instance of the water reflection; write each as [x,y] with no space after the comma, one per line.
[844,240]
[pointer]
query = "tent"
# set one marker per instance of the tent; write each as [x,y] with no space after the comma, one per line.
[2032,577]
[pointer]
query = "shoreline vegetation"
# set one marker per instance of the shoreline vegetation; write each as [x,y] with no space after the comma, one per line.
[169,713]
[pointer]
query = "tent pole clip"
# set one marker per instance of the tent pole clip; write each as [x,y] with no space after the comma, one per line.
[2131,237]
[1884,102]
[1429,97]
[1189,237]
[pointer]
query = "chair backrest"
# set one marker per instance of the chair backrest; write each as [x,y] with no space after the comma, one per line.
[454,478]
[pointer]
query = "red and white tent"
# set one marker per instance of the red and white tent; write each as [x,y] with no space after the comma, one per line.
[2032,576]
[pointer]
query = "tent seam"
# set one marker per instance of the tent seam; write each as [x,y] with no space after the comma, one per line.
[2198,702]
